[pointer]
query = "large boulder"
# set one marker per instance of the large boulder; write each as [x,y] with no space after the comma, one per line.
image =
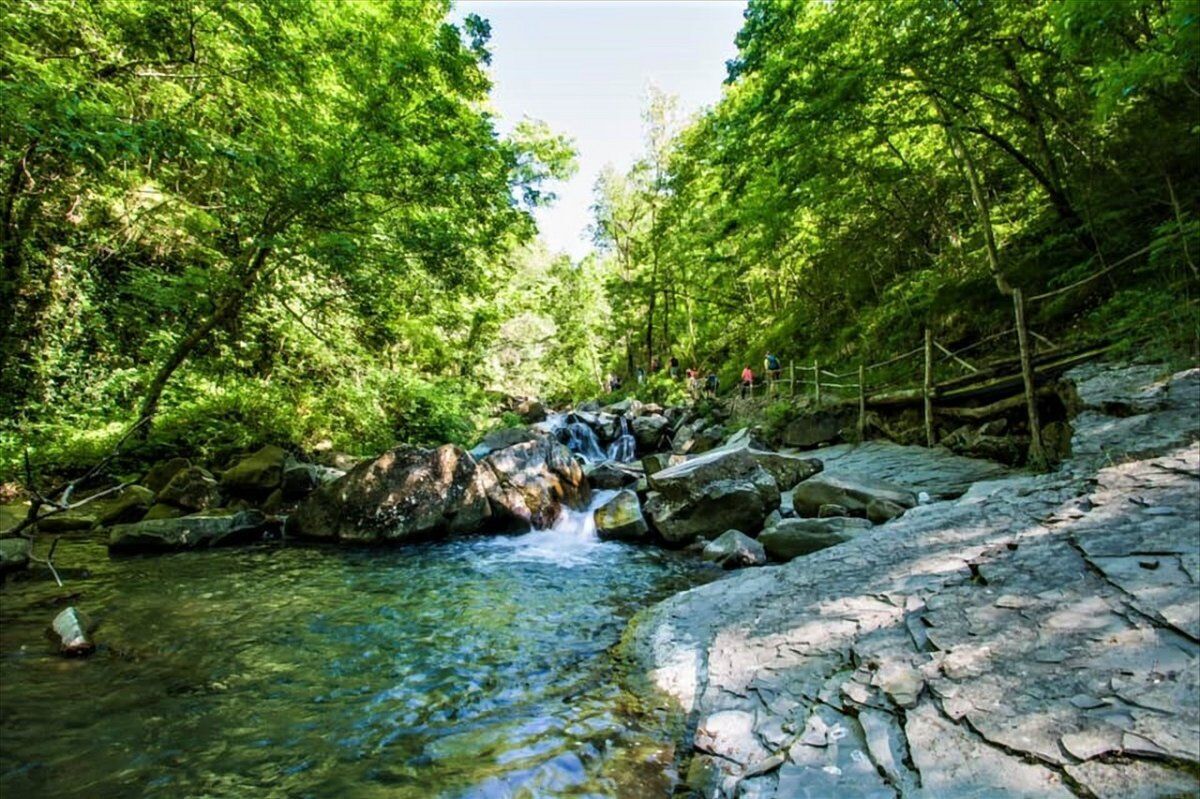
[620,519]
[734,549]
[527,484]
[608,475]
[404,494]
[628,407]
[658,461]
[501,439]
[257,475]
[210,529]
[719,506]
[649,429]
[852,493]
[530,410]
[192,488]
[301,479]
[730,462]
[728,488]
[129,506]
[817,427]
[161,473]
[14,554]
[791,538]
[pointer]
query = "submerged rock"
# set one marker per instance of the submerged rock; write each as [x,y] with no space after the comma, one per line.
[734,549]
[72,628]
[404,494]
[70,521]
[200,530]
[14,554]
[620,519]
[791,538]
[527,485]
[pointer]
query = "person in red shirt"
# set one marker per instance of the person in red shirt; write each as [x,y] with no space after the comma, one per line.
[747,380]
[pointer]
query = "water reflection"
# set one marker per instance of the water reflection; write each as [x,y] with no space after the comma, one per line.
[476,668]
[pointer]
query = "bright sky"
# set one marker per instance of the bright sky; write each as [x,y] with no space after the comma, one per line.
[584,67]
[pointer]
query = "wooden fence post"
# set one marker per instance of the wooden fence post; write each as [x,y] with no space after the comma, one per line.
[862,402]
[816,381]
[1037,454]
[928,388]
[792,372]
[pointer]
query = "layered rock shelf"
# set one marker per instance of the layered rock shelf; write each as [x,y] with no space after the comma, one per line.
[1037,636]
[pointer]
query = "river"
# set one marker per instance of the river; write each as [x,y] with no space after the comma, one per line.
[477,667]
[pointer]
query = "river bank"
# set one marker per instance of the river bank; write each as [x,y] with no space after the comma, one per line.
[1036,637]
[931,625]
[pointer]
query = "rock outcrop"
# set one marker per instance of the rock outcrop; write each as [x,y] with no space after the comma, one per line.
[404,494]
[1037,637]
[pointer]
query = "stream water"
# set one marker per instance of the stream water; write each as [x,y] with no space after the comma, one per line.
[477,667]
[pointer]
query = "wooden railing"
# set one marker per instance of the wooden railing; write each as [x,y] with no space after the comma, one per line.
[1022,370]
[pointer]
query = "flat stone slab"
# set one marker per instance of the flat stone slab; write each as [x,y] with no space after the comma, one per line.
[1038,636]
[938,471]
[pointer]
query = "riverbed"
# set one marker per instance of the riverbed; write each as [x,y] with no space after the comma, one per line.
[478,667]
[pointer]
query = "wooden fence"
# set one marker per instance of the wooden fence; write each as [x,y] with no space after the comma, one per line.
[1036,358]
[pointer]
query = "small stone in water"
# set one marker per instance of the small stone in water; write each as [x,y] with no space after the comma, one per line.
[71,627]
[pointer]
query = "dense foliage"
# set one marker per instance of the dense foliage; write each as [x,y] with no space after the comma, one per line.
[250,221]
[292,220]
[876,167]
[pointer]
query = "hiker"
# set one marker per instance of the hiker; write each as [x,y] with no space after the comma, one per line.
[674,370]
[747,380]
[693,382]
[641,375]
[773,367]
[614,382]
[711,383]
[655,365]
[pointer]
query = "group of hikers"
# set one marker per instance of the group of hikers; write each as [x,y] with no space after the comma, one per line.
[709,385]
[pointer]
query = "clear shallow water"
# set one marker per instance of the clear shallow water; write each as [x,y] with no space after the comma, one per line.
[473,668]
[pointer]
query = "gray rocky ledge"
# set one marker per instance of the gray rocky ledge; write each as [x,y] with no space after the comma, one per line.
[1039,636]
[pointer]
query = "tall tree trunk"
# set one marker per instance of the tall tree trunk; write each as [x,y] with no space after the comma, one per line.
[650,320]
[978,195]
[227,308]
